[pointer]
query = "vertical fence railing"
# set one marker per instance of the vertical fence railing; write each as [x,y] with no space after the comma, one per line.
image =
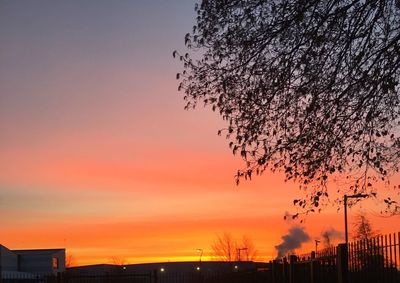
[21,277]
[146,277]
[375,260]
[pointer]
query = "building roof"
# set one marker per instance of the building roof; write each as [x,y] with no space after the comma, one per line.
[39,251]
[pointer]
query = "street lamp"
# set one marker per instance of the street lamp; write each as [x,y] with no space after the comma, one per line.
[346,234]
[201,253]
[316,244]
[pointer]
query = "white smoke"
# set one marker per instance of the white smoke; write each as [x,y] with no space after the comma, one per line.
[293,240]
[330,236]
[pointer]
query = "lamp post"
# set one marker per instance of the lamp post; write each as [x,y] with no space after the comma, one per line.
[242,249]
[316,244]
[346,234]
[201,253]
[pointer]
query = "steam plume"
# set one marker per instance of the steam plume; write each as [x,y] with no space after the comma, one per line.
[330,235]
[292,240]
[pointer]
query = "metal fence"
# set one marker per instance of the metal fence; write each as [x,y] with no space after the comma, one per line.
[66,278]
[106,278]
[306,268]
[319,266]
[375,260]
[251,276]
[169,277]
[24,277]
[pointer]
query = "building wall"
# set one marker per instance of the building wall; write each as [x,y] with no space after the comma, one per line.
[41,261]
[61,261]
[35,263]
[8,259]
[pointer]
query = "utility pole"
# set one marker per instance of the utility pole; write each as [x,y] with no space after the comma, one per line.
[242,249]
[346,233]
[201,253]
[316,244]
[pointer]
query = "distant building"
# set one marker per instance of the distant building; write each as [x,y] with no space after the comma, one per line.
[165,267]
[168,272]
[27,263]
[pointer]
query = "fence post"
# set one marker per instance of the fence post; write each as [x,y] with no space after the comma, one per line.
[342,263]
[61,277]
[314,265]
[154,276]
[292,260]
[273,271]
[284,270]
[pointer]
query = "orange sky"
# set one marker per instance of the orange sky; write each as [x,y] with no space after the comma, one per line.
[97,154]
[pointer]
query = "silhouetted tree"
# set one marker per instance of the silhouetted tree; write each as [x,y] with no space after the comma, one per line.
[330,237]
[226,248]
[69,260]
[370,256]
[363,228]
[116,260]
[326,240]
[250,251]
[310,88]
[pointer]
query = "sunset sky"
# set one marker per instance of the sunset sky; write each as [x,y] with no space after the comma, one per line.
[97,154]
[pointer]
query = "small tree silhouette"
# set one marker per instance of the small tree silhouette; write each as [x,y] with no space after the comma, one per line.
[363,228]
[118,260]
[69,260]
[369,256]
[226,248]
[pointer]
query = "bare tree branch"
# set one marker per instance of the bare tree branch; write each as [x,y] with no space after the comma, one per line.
[309,88]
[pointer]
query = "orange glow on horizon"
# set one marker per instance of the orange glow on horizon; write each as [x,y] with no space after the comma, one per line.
[98,155]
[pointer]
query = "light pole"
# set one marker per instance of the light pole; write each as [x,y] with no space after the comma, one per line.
[201,253]
[346,234]
[242,249]
[316,244]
